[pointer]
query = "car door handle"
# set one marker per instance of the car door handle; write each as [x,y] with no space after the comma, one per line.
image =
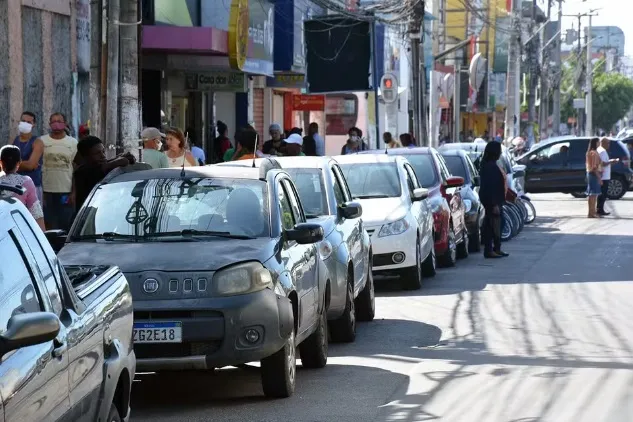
[60,349]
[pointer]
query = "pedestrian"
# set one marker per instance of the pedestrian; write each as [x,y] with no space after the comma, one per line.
[407,140]
[294,146]
[152,143]
[492,192]
[313,144]
[95,167]
[354,142]
[594,177]
[10,161]
[390,141]
[176,152]
[276,142]
[60,151]
[222,143]
[245,144]
[606,174]
[31,151]
[196,148]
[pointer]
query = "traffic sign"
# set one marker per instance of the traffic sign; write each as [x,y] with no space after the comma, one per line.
[389,88]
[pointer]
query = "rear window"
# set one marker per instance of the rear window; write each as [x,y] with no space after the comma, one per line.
[424,168]
[309,183]
[456,166]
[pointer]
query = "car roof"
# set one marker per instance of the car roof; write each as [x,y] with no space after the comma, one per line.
[410,151]
[7,202]
[377,157]
[303,162]
[212,171]
[453,152]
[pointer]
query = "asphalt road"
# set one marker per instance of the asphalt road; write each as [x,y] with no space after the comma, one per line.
[544,335]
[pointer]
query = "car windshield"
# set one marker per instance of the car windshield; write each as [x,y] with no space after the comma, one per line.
[372,180]
[456,166]
[424,169]
[196,208]
[309,183]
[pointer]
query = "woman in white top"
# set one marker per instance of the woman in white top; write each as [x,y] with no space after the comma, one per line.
[176,152]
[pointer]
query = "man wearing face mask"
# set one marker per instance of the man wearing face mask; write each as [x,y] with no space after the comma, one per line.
[275,143]
[57,174]
[31,151]
[354,142]
[152,142]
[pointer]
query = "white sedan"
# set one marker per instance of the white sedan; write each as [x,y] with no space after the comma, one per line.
[395,214]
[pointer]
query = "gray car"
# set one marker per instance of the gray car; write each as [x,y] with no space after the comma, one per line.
[346,249]
[65,333]
[223,267]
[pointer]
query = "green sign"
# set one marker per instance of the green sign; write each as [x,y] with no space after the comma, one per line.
[500,61]
[216,81]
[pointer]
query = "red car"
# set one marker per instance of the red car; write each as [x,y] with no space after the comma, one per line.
[451,233]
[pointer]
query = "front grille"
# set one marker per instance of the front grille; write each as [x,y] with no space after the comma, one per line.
[175,350]
[174,315]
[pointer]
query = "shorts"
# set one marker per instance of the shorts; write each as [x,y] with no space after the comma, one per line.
[593,185]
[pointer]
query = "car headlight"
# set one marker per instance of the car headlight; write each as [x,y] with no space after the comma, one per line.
[397,227]
[325,249]
[468,205]
[242,278]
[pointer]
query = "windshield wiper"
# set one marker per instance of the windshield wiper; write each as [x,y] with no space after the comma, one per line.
[312,216]
[107,236]
[372,196]
[196,233]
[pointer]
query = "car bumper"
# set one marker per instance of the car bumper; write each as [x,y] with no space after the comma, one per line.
[383,249]
[213,330]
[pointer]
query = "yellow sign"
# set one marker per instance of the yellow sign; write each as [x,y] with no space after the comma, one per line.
[238,34]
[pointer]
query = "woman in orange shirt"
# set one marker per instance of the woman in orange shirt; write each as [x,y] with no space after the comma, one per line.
[594,176]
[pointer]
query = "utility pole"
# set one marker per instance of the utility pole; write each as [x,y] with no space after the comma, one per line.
[589,79]
[415,33]
[433,139]
[558,72]
[130,116]
[112,99]
[544,108]
[97,42]
[533,69]
[513,109]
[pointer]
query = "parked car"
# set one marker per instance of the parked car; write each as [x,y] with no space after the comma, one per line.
[459,164]
[558,165]
[223,265]
[451,233]
[345,249]
[395,215]
[65,333]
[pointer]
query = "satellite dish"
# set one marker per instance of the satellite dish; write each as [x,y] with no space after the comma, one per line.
[477,71]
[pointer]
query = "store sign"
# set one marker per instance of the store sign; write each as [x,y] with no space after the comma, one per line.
[216,81]
[286,80]
[238,34]
[308,102]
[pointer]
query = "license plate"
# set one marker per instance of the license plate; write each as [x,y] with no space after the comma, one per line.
[157,332]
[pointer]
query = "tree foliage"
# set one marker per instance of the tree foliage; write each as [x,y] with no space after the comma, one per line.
[612,98]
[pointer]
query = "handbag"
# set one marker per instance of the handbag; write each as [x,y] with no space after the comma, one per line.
[511,196]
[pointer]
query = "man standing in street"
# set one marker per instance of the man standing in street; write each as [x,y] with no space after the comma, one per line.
[57,174]
[31,150]
[606,174]
[314,140]
[152,142]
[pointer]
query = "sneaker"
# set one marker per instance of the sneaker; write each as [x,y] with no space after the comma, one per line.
[492,255]
[502,254]
[603,213]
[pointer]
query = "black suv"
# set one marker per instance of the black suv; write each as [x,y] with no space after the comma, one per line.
[558,165]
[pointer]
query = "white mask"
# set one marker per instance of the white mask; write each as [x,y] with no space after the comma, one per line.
[354,138]
[25,127]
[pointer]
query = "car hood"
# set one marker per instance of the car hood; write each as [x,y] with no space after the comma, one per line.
[382,210]
[205,255]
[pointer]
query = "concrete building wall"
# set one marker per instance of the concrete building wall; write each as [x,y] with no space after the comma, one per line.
[36,70]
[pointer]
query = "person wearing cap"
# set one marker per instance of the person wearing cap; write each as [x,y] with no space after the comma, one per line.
[276,143]
[293,146]
[152,142]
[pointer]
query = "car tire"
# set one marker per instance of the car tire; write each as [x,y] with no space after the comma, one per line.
[279,371]
[113,415]
[429,266]
[475,242]
[617,188]
[463,248]
[343,330]
[449,259]
[366,300]
[412,277]
[313,351]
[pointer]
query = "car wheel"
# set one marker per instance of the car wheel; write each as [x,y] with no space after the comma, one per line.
[366,300]
[412,277]
[344,328]
[616,189]
[462,248]
[279,371]
[475,242]
[114,416]
[314,349]
[429,266]
[450,256]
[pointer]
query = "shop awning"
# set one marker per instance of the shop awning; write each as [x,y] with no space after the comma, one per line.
[185,39]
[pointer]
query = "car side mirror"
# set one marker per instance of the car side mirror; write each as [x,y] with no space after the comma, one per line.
[305,233]
[454,182]
[419,194]
[29,329]
[477,181]
[57,239]
[350,210]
